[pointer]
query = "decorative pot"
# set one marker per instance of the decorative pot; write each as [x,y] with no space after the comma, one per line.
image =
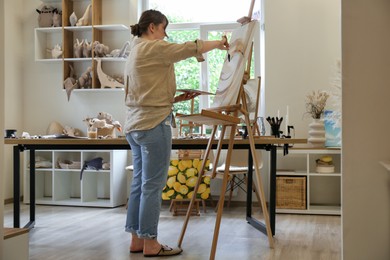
[317,133]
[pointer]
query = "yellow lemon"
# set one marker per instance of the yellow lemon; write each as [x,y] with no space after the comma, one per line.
[172,171]
[191,172]
[176,186]
[178,196]
[202,188]
[189,195]
[191,182]
[206,180]
[204,195]
[181,178]
[195,163]
[182,166]
[171,181]
[188,163]
[199,166]
[183,189]
[170,193]
[174,162]
[164,196]
[208,190]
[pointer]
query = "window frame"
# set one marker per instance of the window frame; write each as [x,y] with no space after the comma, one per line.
[203,29]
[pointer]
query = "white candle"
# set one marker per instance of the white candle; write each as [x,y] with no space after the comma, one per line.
[278,113]
[287,115]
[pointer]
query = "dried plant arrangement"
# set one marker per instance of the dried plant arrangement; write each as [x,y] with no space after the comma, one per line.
[315,103]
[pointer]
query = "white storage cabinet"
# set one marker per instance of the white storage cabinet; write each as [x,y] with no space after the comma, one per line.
[323,190]
[98,188]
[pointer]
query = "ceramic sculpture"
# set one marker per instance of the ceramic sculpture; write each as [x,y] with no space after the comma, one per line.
[106,81]
[87,48]
[85,80]
[105,125]
[78,49]
[70,82]
[45,17]
[57,18]
[84,21]
[54,128]
[73,19]
[70,131]
[56,52]
[121,53]
[100,50]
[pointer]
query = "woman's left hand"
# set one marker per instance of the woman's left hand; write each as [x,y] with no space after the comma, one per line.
[185,96]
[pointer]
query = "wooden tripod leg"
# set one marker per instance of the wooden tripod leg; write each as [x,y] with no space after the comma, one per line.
[260,184]
[223,190]
[192,201]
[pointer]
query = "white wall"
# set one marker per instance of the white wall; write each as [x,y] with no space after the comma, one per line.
[366,124]
[302,44]
[14,74]
[1,127]
[34,89]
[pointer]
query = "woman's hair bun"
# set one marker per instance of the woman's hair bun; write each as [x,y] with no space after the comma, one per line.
[135,30]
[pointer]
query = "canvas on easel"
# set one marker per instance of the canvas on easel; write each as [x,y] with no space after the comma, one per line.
[229,102]
[234,65]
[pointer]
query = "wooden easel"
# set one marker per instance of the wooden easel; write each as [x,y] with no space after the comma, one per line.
[226,116]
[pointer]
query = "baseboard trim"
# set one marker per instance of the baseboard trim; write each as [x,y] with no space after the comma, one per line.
[11,200]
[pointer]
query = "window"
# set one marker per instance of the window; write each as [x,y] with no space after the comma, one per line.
[207,20]
[202,11]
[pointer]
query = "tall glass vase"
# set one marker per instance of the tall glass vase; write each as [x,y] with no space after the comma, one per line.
[317,133]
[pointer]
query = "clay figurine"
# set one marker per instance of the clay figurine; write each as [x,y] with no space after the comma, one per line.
[45,17]
[56,52]
[57,18]
[87,49]
[100,49]
[85,80]
[70,83]
[106,81]
[121,53]
[73,19]
[78,49]
[84,21]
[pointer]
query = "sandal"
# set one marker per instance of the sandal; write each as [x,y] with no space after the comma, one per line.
[166,251]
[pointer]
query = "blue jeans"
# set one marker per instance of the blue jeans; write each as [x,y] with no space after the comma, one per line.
[151,151]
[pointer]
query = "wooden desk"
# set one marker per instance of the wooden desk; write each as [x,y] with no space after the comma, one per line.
[20,145]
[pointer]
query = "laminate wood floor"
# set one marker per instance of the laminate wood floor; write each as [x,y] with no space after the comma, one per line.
[95,233]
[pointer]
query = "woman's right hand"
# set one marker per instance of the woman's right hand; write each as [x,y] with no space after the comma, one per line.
[224,45]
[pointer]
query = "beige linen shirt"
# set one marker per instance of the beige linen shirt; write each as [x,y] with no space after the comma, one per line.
[150,80]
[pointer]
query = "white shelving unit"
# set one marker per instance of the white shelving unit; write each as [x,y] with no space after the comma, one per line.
[98,188]
[323,190]
[108,19]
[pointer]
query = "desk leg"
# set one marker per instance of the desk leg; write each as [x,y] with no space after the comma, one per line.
[16,187]
[249,184]
[272,186]
[272,200]
[32,190]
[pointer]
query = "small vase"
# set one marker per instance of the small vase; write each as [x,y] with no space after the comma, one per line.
[317,133]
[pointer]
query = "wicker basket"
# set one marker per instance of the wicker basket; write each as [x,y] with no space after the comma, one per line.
[291,192]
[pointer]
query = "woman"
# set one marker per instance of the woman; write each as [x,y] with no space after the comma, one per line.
[150,93]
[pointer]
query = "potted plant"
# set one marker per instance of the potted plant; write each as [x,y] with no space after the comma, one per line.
[315,107]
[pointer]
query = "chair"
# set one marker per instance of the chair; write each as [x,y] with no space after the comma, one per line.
[238,170]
